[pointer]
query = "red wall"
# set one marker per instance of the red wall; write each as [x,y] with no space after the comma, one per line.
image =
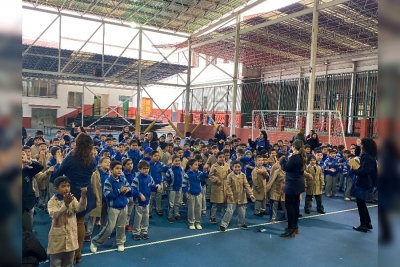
[27,122]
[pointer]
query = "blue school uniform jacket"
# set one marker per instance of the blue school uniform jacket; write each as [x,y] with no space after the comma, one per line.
[186,154]
[192,182]
[129,176]
[156,170]
[134,155]
[174,178]
[331,163]
[142,184]
[112,192]
[50,163]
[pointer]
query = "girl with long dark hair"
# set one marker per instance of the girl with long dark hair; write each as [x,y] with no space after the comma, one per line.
[124,130]
[221,137]
[294,185]
[79,166]
[261,142]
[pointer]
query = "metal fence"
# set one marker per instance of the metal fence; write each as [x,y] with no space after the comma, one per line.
[355,95]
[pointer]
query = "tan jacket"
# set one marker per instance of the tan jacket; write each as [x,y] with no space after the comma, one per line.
[63,235]
[184,162]
[271,161]
[217,177]
[276,183]
[211,160]
[237,186]
[313,186]
[98,193]
[165,157]
[42,178]
[259,183]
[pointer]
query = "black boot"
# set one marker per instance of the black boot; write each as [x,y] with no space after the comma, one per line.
[361,228]
[321,211]
[307,211]
[288,233]
[369,226]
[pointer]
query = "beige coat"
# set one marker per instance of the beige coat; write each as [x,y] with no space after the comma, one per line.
[313,186]
[165,157]
[217,177]
[259,183]
[271,161]
[63,235]
[237,186]
[98,193]
[184,162]
[42,178]
[276,183]
[210,162]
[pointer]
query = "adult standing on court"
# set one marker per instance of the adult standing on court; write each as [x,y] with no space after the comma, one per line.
[294,185]
[221,137]
[79,166]
[362,188]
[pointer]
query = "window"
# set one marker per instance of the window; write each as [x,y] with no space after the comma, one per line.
[74,99]
[124,98]
[39,89]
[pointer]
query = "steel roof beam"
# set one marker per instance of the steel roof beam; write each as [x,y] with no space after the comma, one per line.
[105,79]
[226,19]
[183,35]
[272,22]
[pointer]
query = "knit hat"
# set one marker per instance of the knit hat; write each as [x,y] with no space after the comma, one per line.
[148,150]
[54,149]
[248,152]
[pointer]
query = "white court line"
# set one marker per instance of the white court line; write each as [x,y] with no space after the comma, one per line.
[216,232]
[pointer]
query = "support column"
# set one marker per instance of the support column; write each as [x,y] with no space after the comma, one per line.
[139,84]
[235,76]
[313,63]
[187,96]
[83,103]
[351,100]
[102,50]
[59,47]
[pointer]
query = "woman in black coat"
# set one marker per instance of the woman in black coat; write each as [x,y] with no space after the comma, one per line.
[294,185]
[221,137]
[121,135]
[79,166]
[366,181]
[313,142]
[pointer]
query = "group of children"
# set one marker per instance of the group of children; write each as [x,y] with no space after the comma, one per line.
[131,176]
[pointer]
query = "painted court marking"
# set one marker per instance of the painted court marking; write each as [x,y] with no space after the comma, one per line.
[217,232]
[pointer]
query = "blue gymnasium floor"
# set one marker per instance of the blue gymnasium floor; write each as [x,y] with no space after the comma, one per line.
[324,240]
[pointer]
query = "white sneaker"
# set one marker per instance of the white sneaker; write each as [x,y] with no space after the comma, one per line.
[346,199]
[121,248]
[191,227]
[198,226]
[93,248]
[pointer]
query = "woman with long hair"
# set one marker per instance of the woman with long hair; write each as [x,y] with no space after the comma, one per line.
[79,166]
[313,141]
[220,136]
[261,142]
[124,130]
[294,185]
[362,188]
[300,136]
